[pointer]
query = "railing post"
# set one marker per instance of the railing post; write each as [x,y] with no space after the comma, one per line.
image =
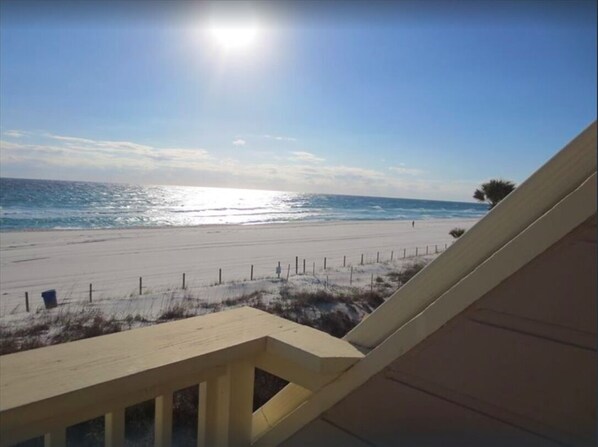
[213,420]
[56,438]
[114,431]
[226,408]
[163,420]
[240,382]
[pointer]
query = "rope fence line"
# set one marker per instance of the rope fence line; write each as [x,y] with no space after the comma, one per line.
[271,270]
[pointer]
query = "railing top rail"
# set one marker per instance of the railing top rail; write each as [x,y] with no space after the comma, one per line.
[57,376]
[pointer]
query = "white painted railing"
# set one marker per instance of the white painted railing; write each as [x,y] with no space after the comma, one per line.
[44,391]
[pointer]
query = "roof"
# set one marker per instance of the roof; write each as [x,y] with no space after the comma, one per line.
[556,199]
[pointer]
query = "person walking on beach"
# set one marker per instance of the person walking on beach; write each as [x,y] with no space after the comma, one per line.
[412,224]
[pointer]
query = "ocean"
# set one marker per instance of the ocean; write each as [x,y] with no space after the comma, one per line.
[49,204]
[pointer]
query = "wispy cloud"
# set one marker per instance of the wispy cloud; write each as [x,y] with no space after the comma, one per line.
[401,169]
[74,151]
[239,142]
[279,137]
[134,162]
[306,157]
[14,133]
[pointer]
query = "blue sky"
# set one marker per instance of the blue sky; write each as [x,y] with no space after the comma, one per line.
[409,99]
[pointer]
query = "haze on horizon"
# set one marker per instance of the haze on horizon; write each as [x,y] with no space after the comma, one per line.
[405,99]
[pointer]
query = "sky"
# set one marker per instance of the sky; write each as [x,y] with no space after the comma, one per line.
[405,99]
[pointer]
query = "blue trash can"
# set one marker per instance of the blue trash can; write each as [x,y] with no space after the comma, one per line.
[49,297]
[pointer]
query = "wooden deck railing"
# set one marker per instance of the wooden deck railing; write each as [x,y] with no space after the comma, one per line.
[46,390]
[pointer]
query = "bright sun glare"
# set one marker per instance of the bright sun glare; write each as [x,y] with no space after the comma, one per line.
[234,37]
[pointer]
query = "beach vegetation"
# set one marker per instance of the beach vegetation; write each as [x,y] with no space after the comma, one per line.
[457,232]
[83,325]
[51,329]
[493,191]
[174,312]
[244,299]
[407,272]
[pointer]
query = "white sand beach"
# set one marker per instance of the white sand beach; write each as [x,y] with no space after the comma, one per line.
[113,260]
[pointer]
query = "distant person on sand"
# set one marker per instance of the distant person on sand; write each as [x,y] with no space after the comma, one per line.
[412,224]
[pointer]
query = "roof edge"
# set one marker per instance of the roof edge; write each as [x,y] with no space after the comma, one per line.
[294,409]
[557,178]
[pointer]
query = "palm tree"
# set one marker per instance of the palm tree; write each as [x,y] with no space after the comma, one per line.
[493,191]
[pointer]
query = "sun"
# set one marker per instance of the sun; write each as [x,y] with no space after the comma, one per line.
[234,37]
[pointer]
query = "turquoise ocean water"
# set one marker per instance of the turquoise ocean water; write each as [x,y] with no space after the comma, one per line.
[48,204]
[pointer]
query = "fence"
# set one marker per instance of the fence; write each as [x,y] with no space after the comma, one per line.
[259,270]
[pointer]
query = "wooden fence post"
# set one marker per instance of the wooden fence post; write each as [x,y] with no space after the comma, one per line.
[183,281]
[278,270]
[324,262]
[416,248]
[251,276]
[427,249]
[27,301]
[304,266]
[362,259]
[377,257]
[296,265]
[314,269]
[219,276]
[90,292]
[288,272]
[372,284]
[140,285]
[392,255]
[344,261]
[404,252]
[351,276]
